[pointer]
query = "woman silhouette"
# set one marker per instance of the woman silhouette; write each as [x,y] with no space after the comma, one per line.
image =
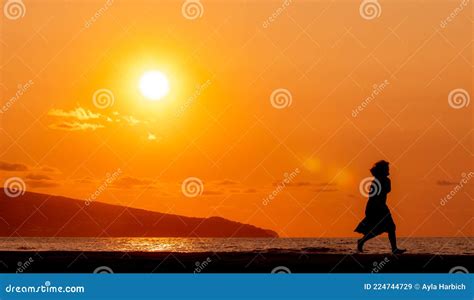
[377,215]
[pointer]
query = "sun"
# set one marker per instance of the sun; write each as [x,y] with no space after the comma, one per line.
[154,85]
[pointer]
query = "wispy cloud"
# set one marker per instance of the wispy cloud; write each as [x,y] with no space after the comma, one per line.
[308,184]
[49,169]
[77,119]
[227,186]
[78,113]
[128,182]
[80,119]
[444,182]
[13,167]
[250,191]
[132,121]
[151,137]
[75,126]
[35,176]
[227,182]
[36,179]
[36,171]
[42,183]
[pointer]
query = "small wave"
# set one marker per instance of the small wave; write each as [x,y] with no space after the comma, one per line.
[25,248]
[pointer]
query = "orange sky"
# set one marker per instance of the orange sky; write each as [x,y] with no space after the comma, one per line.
[218,123]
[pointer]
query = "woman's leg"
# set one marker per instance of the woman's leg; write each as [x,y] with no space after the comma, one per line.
[393,239]
[365,238]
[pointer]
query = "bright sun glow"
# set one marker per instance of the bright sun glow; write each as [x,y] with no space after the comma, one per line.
[154,85]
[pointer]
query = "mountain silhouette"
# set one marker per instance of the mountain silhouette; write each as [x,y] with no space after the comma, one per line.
[41,215]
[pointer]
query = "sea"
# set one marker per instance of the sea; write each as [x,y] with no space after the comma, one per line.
[428,245]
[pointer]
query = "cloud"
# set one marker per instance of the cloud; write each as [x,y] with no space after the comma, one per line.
[76,119]
[79,113]
[227,186]
[227,182]
[34,177]
[128,182]
[38,177]
[132,121]
[75,126]
[443,182]
[21,167]
[49,169]
[307,184]
[223,186]
[152,137]
[41,183]
[13,167]
[80,119]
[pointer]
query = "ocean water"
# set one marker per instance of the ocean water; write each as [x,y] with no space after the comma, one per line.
[459,246]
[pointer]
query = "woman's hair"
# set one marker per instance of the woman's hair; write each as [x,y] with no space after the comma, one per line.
[380,169]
